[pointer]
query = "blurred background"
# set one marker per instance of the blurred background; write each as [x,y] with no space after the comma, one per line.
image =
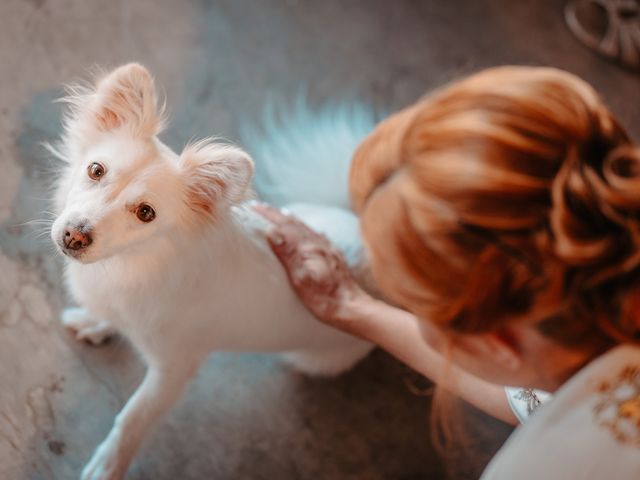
[218,62]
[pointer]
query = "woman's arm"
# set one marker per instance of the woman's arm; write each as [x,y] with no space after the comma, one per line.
[324,284]
[399,333]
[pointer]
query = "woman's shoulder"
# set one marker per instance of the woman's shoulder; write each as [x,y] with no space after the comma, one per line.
[589,430]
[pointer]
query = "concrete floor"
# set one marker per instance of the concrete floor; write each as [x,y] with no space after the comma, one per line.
[245,416]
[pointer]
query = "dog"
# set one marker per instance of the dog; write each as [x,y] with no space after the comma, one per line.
[163,249]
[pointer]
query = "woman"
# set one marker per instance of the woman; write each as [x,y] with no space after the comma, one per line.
[502,215]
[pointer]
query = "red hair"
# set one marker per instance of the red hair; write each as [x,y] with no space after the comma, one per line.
[508,196]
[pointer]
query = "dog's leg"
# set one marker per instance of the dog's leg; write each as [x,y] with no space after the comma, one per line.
[86,327]
[160,389]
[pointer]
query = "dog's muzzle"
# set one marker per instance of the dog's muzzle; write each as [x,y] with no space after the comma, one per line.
[76,238]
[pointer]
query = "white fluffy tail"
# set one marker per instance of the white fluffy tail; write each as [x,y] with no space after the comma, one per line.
[304,155]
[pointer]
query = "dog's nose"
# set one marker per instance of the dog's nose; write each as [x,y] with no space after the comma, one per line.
[77,238]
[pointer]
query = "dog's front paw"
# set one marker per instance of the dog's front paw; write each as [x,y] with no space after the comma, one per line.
[104,465]
[85,327]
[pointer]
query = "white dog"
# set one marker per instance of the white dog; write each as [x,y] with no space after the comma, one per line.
[162,249]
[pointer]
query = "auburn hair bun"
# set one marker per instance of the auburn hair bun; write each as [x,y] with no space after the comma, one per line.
[512,194]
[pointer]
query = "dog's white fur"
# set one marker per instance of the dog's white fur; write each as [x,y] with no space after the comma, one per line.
[198,278]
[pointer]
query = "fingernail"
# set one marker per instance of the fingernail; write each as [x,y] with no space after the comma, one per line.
[285,211]
[277,239]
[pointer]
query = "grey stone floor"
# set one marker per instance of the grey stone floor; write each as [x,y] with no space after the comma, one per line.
[245,416]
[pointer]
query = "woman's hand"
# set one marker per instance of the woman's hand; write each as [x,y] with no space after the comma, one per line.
[316,270]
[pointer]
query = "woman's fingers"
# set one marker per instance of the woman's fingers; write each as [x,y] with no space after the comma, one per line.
[283,220]
[272,214]
[288,232]
[281,246]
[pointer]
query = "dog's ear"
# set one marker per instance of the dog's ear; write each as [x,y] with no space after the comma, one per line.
[126,97]
[216,175]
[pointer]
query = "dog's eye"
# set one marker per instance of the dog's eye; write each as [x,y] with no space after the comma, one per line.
[96,171]
[145,212]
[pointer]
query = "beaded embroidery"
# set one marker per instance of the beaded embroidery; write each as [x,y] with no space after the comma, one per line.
[529,396]
[618,406]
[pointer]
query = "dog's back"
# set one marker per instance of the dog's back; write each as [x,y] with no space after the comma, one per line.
[252,307]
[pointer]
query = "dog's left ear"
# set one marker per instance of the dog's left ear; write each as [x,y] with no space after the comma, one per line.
[126,97]
[216,175]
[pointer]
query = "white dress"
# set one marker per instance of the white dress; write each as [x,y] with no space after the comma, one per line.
[590,430]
